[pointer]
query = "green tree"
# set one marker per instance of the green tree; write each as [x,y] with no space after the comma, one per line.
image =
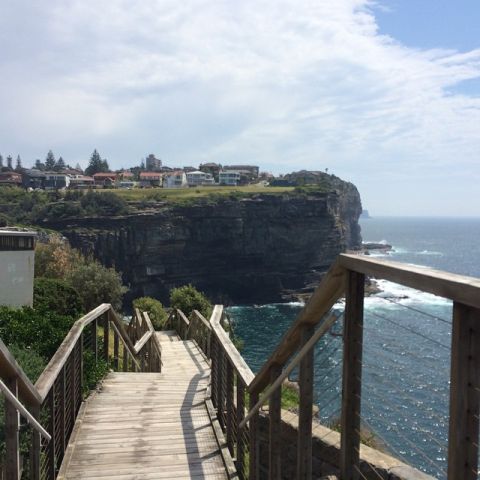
[188,298]
[1,161]
[50,161]
[60,165]
[96,164]
[56,259]
[50,294]
[10,162]
[155,310]
[97,284]
[39,165]
[18,167]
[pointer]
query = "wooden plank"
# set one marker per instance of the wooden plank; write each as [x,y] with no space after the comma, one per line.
[306,376]
[12,442]
[459,288]
[224,342]
[116,345]
[352,374]
[464,394]
[275,430]
[331,288]
[254,447]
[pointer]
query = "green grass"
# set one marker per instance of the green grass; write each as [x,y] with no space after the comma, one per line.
[179,194]
[290,397]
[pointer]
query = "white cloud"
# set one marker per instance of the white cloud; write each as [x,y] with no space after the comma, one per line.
[286,84]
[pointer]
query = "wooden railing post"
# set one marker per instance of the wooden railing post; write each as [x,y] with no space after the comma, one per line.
[80,370]
[464,394]
[220,393]
[254,464]
[352,376]
[229,407]
[106,336]
[94,334]
[51,430]
[12,443]
[61,407]
[214,370]
[240,431]
[115,350]
[35,447]
[304,444]
[275,430]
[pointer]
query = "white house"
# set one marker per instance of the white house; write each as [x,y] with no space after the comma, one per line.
[199,178]
[230,178]
[56,181]
[175,179]
[17,255]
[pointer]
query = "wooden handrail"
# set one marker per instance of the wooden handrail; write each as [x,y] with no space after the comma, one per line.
[459,288]
[142,341]
[57,362]
[238,362]
[330,290]
[324,327]
[10,397]
[202,319]
[10,368]
[156,341]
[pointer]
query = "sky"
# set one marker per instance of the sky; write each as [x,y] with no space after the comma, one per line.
[385,93]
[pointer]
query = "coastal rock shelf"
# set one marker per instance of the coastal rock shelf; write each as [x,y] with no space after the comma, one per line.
[258,248]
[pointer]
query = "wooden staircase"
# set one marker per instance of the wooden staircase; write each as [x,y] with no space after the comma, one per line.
[148,425]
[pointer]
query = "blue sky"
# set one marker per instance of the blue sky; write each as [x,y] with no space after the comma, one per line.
[383,93]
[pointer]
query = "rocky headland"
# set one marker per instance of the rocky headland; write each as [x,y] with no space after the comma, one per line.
[253,249]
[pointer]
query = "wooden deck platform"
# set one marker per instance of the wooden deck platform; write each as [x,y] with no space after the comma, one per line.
[148,425]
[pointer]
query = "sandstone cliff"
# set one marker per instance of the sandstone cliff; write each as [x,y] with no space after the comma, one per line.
[260,248]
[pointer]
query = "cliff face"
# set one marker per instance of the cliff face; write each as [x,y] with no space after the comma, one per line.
[242,250]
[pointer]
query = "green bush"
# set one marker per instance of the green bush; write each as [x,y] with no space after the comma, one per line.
[188,298]
[53,295]
[97,284]
[106,203]
[155,310]
[28,328]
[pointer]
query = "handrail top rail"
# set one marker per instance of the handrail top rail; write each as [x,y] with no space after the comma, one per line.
[197,314]
[10,368]
[459,288]
[238,362]
[56,363]
[182,316]
[329,291]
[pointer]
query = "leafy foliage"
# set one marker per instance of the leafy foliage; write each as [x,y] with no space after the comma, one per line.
[32,329]
[97,284]
[50,294]
[56,259]
[188,298]
[155,310]
[106,203]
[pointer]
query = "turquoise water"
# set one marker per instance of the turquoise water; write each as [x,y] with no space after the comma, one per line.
[406,341]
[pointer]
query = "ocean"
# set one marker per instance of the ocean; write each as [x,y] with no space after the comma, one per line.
[407,335]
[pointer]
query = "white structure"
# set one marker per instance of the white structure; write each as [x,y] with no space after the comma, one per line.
[176,179]
[56,181]
[16,268]
[229,178]
[199,178]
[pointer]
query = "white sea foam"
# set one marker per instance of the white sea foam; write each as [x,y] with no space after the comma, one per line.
[429,252]
[399,294]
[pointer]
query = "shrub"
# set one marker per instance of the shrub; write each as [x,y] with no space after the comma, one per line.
[188,298]
[97,284]
[106,203]
[53,295]
[56,259]
[155,310]
[40,331]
